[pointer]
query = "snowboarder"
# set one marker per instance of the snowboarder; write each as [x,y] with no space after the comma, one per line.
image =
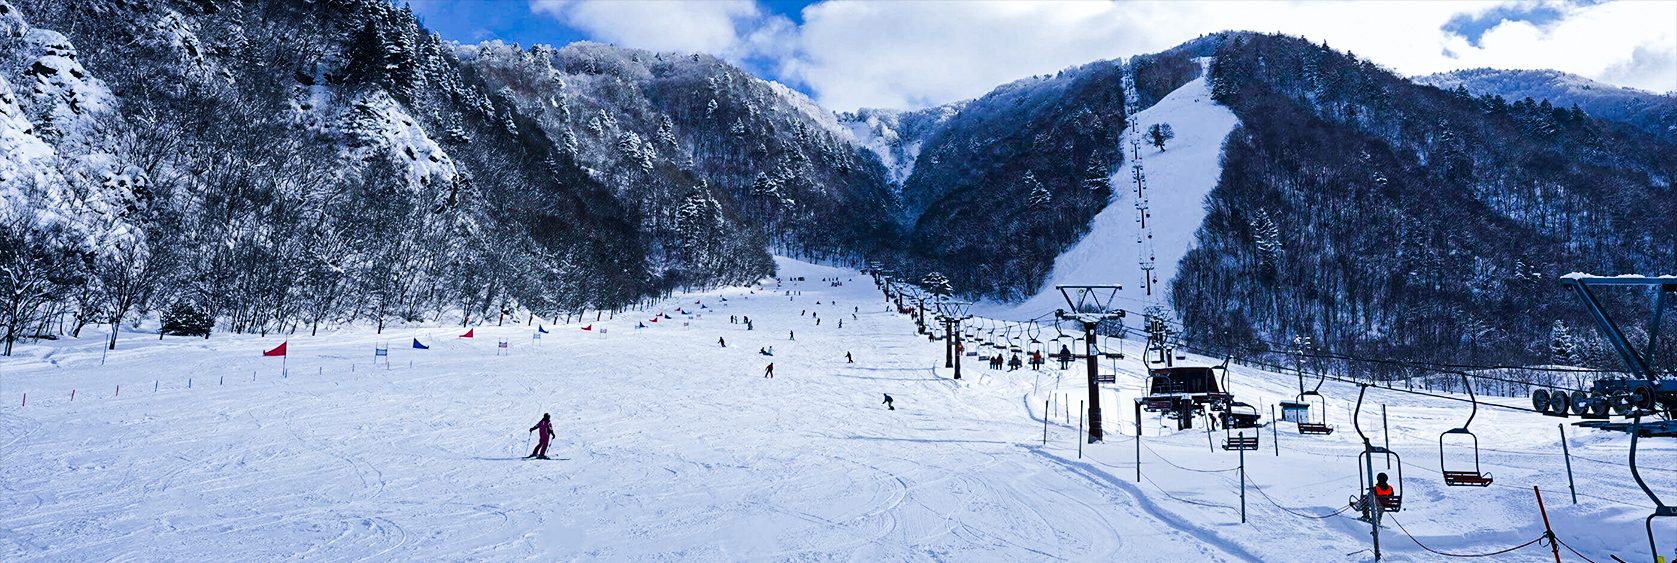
[791,335]
[848,359]
[887,402]
[546,427]
[722,341]
[769,371]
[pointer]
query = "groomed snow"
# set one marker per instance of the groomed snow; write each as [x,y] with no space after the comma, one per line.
[676,449]
[1178,180]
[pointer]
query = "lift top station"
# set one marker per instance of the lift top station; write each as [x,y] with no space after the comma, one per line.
[1645,393]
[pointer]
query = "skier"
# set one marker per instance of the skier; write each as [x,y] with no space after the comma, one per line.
[1014,363]
[720,340]
[887,402]
[769,371]
[848,359]
[1065,357]
[546,426]
[791,335]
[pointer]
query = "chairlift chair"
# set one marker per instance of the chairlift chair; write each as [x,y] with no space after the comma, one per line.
[1032,331]
[1365,466]
[1314,401]
[1240,416]
[1461,477]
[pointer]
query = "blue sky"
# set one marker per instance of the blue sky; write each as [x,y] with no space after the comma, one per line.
[912,53]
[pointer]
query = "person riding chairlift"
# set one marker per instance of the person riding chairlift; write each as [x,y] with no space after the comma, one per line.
[1382,490]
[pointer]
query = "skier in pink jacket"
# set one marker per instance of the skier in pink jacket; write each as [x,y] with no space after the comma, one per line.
[546,428]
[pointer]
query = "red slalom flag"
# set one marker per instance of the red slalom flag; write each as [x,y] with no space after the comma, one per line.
[280,351]
[589,327]
[468,333]
[654,319]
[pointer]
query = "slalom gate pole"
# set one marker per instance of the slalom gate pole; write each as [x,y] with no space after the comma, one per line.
[118,391]
[154,384]
[1045,424]
[1547,531]
[72,395]
[1568,455]
[1079,428]
[25,400]
[1275,431]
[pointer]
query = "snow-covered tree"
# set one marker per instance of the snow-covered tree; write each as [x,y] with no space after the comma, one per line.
[1563,349]
[1040,197]
[937,284]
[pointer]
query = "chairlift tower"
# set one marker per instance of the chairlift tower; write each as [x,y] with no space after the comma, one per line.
[1090,305]
[952,313]
[1138,173]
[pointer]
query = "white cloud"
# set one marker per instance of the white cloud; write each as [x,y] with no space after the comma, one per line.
[713,27]
[864,53]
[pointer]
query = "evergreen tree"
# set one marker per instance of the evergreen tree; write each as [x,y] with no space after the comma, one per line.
[1268,236]
[1096,178]
[365,55]
[184,319]
[937,284]
[1040,197]
[1563,350]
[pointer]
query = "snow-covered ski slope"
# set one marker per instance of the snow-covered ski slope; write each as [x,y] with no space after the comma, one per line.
[680,450]
[1178,180]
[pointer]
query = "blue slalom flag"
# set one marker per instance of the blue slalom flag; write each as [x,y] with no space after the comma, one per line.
[540,328]
[416,344]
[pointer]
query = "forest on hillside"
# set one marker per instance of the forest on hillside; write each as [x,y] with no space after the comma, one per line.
[1362,214]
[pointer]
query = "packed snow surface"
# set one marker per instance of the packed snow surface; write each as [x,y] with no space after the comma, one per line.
[674,448]
[1178,180]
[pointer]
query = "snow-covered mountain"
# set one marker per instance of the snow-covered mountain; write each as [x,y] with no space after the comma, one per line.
[1648,112]
[293,163]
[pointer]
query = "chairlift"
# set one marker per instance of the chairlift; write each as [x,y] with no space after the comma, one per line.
[1365,467]
[1306,402]
[1661,510]
[1240,416]
[1032,331]
[1474,478]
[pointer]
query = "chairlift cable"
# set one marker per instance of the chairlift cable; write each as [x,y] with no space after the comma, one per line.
[1424,546]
